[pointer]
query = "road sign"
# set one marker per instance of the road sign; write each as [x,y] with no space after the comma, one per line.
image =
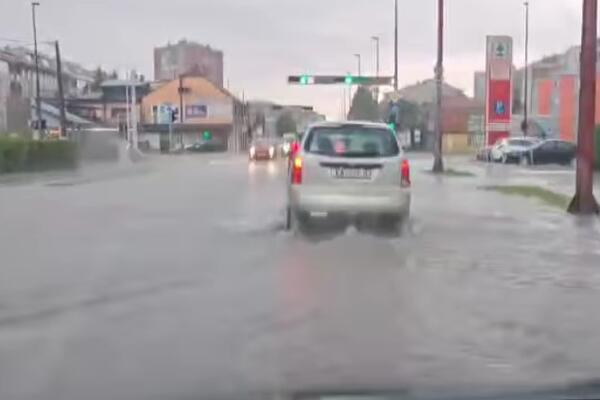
[499,84]
[340,80]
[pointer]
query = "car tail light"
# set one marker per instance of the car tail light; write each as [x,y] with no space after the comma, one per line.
[295,146]
[405,174]
[297,171]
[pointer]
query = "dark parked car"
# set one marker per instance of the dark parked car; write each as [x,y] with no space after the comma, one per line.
[206,146]
[548,152]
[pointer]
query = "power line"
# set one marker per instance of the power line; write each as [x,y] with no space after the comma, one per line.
[20,41]
[27,43]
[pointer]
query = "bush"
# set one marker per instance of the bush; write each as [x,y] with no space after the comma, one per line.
[18,154]
[13,153]
[43,155]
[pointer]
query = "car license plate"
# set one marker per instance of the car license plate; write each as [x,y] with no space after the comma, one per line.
[351,173]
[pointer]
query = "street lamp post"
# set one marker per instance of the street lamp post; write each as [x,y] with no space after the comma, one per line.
[358,59]
[526,88]
[396,45]
[38,102]
[376,40]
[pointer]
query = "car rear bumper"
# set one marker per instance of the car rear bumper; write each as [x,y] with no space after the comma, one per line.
[262,156]
[393,200]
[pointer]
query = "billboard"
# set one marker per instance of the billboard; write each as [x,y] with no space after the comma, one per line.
[499,88]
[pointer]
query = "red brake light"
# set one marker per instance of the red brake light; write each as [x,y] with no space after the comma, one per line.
[297,170]
[405,174]
[294,149]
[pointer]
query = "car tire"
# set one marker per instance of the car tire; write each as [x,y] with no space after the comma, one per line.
[288,219]
[393,224]
[295,221]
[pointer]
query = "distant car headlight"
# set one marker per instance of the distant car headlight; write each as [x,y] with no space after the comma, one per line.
[286,148]
[252,151]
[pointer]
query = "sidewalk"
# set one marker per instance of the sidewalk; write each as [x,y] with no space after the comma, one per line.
[86,173]
[553,177]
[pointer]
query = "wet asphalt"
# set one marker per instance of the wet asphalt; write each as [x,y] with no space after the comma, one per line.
[176,280]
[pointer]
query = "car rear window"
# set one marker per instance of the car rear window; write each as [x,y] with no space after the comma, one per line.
[352,141]
[261,142]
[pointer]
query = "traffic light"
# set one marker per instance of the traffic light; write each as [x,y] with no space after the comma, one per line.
[340,80]
[36,125]
[207,135]
[306,80]
[174,114]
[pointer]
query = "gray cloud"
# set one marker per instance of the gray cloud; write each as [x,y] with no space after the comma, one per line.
[264,40]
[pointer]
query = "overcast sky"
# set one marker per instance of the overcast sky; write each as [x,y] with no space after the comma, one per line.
[266,40]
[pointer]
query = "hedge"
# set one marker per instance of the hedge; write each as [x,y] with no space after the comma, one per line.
[18,154]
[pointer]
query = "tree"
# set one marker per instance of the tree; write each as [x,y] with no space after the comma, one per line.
[410,118]
[363,106]
[286,124]
[114,75]
[99,77]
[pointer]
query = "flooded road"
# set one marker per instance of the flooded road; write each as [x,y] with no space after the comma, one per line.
[179,282]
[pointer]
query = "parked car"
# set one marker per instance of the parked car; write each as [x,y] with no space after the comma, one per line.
[262,149]
[348,169]
[512,149]
[206,146]
[551,152]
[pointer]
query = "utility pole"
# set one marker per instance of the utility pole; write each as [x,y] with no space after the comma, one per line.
[134,120]
[438,163]
[376,40]
[584,201]
[349,99]
[396,45]
[127,113]
[38,101]
[61,93]
[181,113]
[525,125]
[170,129]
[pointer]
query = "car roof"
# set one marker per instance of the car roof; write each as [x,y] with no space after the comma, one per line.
[339,124]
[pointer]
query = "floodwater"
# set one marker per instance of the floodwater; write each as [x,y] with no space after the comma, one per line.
[176,280]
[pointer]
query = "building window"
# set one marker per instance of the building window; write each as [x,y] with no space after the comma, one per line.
[117,112]
[196,111]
